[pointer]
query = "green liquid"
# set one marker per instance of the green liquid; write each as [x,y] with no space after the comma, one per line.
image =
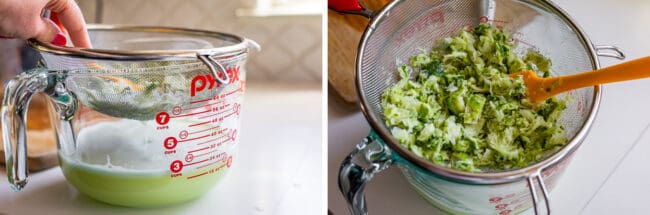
[139,189]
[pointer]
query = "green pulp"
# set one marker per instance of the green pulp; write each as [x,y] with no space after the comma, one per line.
[457,106]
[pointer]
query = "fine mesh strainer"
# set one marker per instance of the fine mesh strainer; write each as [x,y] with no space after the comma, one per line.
[404,28]
[132,72]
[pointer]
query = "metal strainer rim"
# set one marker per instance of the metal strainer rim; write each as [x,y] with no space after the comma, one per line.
[241,45]
[499,177]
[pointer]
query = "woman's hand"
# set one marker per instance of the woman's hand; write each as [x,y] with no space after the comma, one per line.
[22,19]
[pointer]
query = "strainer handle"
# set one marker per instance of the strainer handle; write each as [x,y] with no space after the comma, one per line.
[349,7]
[533,192]
[210,63]
[609,51]
[17,95]
[366,159]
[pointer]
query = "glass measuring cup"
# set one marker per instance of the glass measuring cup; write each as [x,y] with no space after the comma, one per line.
[149,117]
[402,29]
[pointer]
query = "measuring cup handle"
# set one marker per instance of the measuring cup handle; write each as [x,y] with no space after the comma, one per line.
[353,177]
[533,192]
[18,92]
[349,7]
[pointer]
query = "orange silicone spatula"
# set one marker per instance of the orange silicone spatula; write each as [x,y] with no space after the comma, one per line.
[539,89]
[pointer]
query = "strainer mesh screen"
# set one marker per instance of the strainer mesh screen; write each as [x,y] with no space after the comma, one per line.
[412,27]
[138,89]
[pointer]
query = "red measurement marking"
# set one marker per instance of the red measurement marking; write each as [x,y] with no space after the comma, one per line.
[229,161]
[224,106]
[197,175]
[162,118]
[210,140]
[208,164]
[198,162]
[199,107]
[218,101]
[176,166]
[215,114]
[197,150]
[177,110]
[230,114]
[516,201]
[501,206]
[493,20]
[496,199]
[207,129]
[224,141]
[170,142]
[215,98]
[199,101]
[196,138]
[207,153]
[208,106]
[525,43]
[434,17]
[183,134]
[518,207]
[237,108]
[189,157]
[201,123]
[233,135]
[191,114]
[208,116]
[222,112]
[234,91]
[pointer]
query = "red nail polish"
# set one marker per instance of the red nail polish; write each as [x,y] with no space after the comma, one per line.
[59,40]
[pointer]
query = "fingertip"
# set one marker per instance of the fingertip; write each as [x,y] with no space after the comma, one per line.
[59,40]
[70,16]
[46,31]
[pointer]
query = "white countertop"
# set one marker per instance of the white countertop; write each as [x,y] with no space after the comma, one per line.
[608,175]
[279,170]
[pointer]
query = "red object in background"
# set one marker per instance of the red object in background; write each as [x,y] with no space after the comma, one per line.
[345,5]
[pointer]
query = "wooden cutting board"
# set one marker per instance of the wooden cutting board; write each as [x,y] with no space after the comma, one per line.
[343,36]
[41,142]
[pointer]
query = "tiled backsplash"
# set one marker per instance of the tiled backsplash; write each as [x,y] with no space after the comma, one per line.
[291,45]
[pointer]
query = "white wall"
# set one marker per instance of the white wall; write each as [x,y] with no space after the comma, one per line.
[291,45]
